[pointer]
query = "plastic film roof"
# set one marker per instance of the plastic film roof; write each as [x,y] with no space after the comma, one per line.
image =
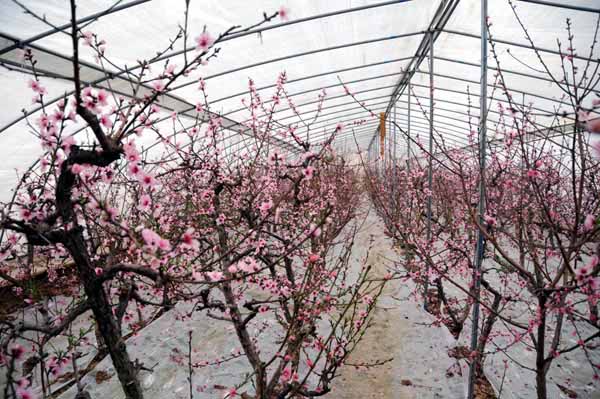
[369,45]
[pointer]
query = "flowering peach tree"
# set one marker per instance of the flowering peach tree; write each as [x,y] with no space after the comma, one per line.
[131,231]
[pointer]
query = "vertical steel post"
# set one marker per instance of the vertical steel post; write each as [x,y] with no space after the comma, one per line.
[395,139]
[430,165]
[408,138]
[480,246]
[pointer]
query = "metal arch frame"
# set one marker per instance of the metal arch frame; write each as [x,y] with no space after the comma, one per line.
[237,35]
[382,88]
[446,59]
[355,117]
[420,118]
[320,50]
[231,124]
[443,134]
[318,75]
[427,106]
[363,130]
[386,87]
[474,82]
[418,71]
[385,96]
[91,17]
[481,207]
[439,20]
[339,12]
[363,135]
[303,54]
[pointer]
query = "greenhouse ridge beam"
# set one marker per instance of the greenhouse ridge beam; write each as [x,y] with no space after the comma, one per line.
[439,20]
[91,17]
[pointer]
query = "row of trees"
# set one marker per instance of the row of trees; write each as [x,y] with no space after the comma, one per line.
[540,281]
[142,230]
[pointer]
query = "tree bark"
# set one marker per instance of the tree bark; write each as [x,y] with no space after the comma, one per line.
[105,320]
[540,363]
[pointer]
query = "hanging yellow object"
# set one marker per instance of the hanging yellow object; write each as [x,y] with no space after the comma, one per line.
[382,133]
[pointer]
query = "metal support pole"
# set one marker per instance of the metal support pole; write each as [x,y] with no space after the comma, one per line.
[480,247]
[408,137]
[430,165]
[395,140]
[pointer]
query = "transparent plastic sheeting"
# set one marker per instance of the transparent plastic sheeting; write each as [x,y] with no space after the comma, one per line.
[392,32]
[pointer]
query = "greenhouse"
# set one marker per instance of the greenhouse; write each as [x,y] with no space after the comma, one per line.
[267,199]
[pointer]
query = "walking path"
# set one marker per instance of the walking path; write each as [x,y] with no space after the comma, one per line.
[420,360]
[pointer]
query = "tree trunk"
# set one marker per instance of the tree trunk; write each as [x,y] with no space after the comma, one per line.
[540,363]
[105,320]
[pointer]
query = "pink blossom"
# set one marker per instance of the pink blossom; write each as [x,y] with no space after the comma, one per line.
[88,38]
[147,180]
[76,169]
[106,121]
[188,240]
[145,202]
[308,172]
[594,283]
[284,13]
[132,156]
[24,393]
[170,70]
[590,220]
[232,269]
[491,221]
[134,169]
[164,245]
[583,271]
[248,265]
[196,275]
[37,87]
[26,214]
[204,41]
[313,258]
[215,276]
[532,173]
[158,85]
[265,206]
[102,97]
[593,125]
[99,271]
[286,374]
[153,240]
[17,351]
[314,231]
